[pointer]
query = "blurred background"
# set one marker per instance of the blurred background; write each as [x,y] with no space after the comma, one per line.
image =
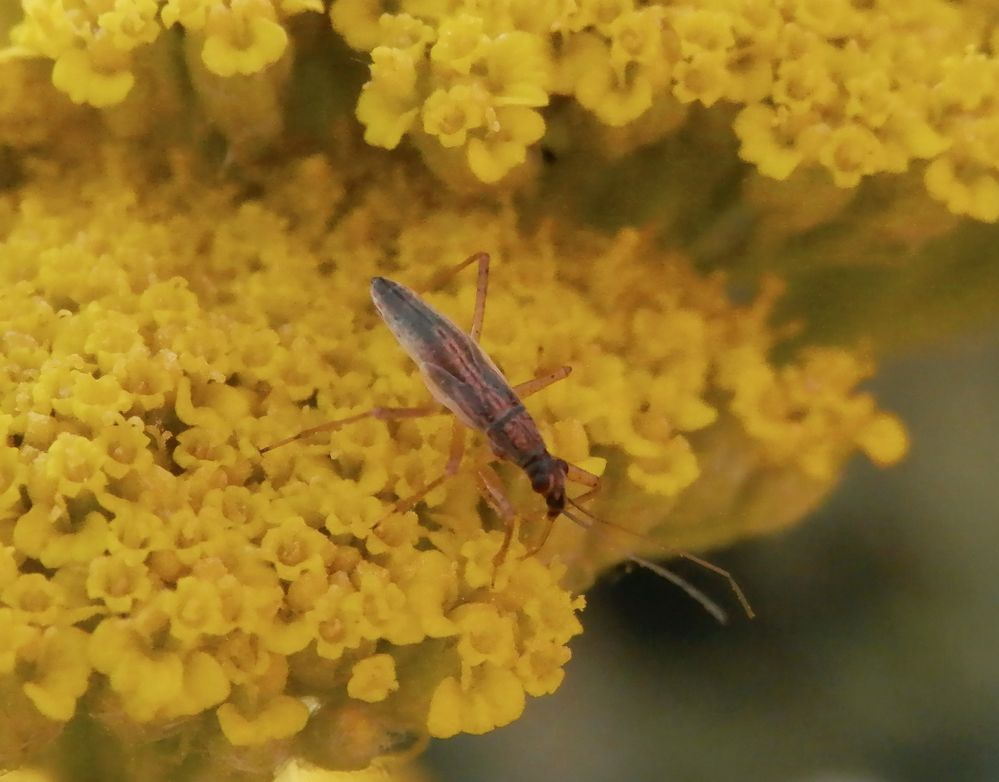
[875,655]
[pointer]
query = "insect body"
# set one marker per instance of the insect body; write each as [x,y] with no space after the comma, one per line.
[465,381]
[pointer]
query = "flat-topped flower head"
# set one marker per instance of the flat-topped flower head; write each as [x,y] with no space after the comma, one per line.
[156,563]
[186,259]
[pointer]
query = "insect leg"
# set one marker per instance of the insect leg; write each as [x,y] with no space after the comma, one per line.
[492,490]
[532,386]
[481,288]
[379,413]
[549,526]
[736,589]
[455,453]
[578,475]
[482,285]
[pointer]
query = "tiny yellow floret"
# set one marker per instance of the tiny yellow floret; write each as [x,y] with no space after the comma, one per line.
[373,679]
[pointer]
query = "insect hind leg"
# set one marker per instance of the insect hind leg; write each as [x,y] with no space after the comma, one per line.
[379,413]
[456,452]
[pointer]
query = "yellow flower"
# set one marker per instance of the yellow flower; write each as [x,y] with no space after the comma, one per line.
[373,678]
[73,465]
[55,538]
[768,139]
[601,13]
[117,582]
[495,697]
[966,188]
[154,683]
[541,667]
[358,21]
[669,472]
[18,633]
[485,635]
[870,98]
[242,38]
[833,19]
[295,548]
[197,607]
[98,402]
[126,447]
[637,37]
[48,28]
[87,79]
[517,67]
[450,114]
[703,30]
[804,83]
[402,31]
[850,152]
[12,478]
[59,672]
[130,24]
[37,599]
[388,105]
[509,132]
[274,719]
[192,14]
[460,43]
[703,77]
[338,623]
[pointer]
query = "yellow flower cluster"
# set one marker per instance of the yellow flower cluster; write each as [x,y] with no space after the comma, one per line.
[855,89]
[97,45]
[135,504]
[472,85]
[158,328]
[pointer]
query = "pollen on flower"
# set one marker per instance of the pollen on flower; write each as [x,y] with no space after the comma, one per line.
[154,562]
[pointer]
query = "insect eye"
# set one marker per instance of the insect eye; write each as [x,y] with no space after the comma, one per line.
[540,483]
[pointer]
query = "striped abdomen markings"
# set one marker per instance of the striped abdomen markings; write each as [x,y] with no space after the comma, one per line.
[515,436]
[457,372]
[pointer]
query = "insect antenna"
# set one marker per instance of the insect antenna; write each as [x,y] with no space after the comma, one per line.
[710,606]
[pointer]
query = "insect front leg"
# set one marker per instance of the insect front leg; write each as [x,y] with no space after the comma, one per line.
[379,413]
[456,452]
[576,475]
[492,489]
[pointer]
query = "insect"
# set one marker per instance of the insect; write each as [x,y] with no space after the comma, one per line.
[464,380]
